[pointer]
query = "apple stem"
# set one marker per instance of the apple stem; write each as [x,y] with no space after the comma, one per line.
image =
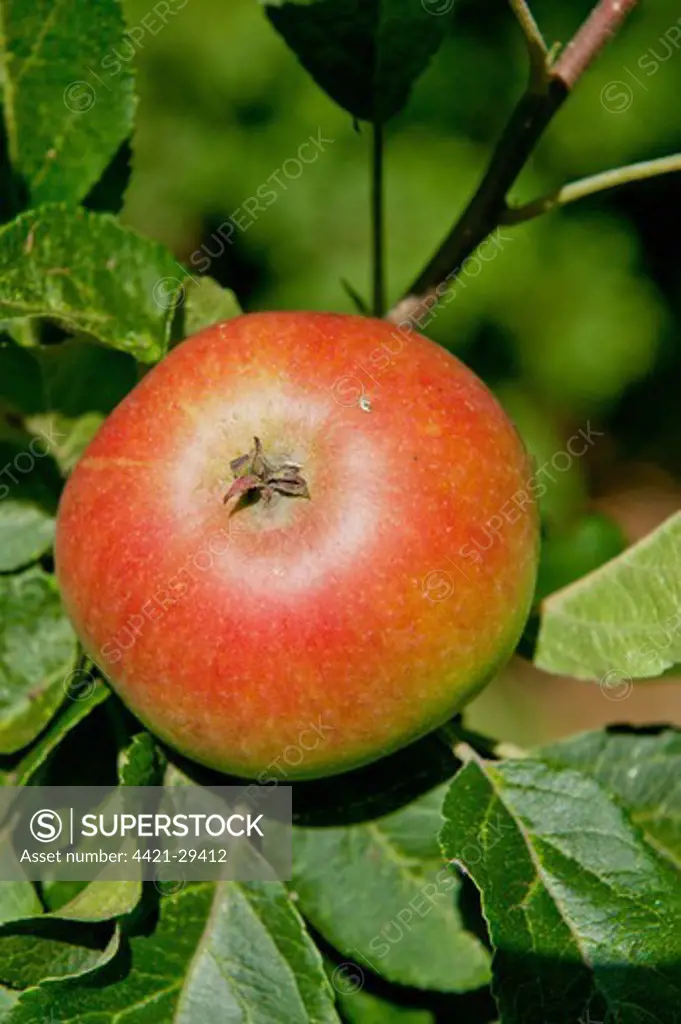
[257,474]
[377,222]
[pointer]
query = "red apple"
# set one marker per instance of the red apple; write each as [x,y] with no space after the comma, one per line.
[303,603]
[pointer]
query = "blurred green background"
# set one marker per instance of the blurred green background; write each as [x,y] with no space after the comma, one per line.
[574,322]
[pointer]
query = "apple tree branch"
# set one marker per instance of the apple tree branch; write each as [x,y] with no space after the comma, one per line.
[550,83]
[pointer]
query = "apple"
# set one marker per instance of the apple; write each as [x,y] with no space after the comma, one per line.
[301,542]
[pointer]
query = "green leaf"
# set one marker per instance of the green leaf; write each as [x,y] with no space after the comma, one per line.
[239,947]
[71,941]
[641,770]
[37,656]
[26,533]
[381,893]
[142,763]
[35,950]
[622,621]
[67,107]
[29,489]
[18,900]
[206,303]
[89,693]
[366,54]
[582,912]
[7,1001]
[90,274]
[100,901]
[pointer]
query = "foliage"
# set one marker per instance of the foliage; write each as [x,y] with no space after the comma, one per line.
[551,879]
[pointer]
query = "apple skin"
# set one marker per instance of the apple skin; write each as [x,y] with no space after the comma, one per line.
[300,637]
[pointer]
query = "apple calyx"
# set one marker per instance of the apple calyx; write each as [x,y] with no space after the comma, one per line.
[256,474]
